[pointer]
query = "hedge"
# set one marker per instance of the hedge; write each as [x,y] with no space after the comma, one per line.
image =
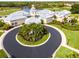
[68,26]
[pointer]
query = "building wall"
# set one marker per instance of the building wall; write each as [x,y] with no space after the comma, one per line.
[17,22]
[59,19]
[48,20]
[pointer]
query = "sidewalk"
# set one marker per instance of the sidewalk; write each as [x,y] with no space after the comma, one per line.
[1,40]
[62,34]
[73,49]
[64,42]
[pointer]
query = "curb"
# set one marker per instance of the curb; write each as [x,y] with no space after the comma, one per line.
[2,38]
[63,42]
[33,45]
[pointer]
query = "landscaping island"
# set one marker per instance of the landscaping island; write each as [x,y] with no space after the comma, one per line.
[32,34]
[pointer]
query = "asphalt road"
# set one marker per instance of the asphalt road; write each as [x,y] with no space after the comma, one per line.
[44,51]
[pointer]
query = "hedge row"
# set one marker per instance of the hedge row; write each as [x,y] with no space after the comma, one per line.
[68,26]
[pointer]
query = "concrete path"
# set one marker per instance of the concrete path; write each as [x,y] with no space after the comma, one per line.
[1,39]
[64,42]
[73,49]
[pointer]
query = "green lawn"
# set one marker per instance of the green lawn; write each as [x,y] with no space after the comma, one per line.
[66,53]
[59,8]
[74,15]
[2,54]
[72,36]
[45,37]
[8,10]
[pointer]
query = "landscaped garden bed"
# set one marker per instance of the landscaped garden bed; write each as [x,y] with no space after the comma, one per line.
[4,26]
[25,42]
[67,25]
[32,34]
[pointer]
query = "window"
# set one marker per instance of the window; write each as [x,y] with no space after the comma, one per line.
[16,23]
[12,23]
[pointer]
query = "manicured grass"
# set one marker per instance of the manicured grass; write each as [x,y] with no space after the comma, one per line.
[66,53]
[45,37]
[72,36]
[74,15]
[8,11]
[2,54]
[59,8]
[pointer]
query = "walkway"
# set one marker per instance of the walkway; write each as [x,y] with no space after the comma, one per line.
[64,42]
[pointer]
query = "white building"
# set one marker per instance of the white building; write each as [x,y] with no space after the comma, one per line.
[33,16]
[16,18]
[62,14]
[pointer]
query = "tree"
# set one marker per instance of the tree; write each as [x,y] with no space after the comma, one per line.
[42,22]
[32,32]
[65,20]
[75,8]
[1,23]
[73,21]
[6,26]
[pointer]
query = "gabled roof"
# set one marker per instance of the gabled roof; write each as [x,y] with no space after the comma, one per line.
[62,13]
[45,13]
[42,14]
[16,15]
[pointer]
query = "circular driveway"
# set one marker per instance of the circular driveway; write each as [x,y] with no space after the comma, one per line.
[44,51]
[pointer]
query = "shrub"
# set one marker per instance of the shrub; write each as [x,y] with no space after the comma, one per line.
[56,22]
[68,25]
[42,22]
[6,27]
[75,8]
[71,27]
[1,23]
[32,32]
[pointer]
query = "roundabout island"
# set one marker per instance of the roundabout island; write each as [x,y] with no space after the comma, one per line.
[32,37]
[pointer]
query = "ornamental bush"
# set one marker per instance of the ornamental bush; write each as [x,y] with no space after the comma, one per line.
[6,27]
[1,23]
[32,32]
[75,8]
[69,25]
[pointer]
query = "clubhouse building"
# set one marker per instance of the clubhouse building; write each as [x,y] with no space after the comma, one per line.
[34,15]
